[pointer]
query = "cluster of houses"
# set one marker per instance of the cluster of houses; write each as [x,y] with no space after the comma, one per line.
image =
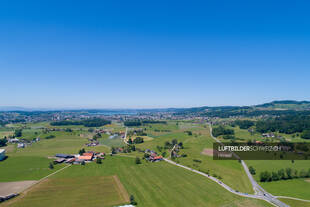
[271,135]
[153,156]
[22,143]
[111,135]
[78,159]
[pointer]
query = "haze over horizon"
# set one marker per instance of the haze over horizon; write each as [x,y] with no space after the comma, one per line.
[159,54]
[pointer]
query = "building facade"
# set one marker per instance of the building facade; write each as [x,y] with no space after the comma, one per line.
[2,154]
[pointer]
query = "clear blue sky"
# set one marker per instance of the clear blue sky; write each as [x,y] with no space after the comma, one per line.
[133,54]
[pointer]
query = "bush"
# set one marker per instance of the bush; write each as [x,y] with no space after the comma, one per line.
[196,160]
[305,134]
[98,161]
[50,137]
[132,200]
[138,161]
[81,151]
[252,170]
[138,140]
[51,166]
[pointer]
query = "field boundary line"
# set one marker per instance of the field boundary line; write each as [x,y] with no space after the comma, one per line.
[299,199]
[45,178]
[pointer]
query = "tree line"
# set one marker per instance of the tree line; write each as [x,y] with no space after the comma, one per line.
[283,174]
[141,122]
[87,122]
[289,124]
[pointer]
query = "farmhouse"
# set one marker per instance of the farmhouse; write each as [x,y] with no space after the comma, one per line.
[2,154]
[85,158]
[64,156]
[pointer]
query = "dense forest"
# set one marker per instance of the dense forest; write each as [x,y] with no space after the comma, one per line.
[218,131]
[244,124]
[87,122]
[286,124]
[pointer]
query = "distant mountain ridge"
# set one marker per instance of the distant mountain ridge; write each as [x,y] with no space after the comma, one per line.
[274,105]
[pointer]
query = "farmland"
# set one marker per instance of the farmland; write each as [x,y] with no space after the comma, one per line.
[152,185]
[94,191]
[177,186]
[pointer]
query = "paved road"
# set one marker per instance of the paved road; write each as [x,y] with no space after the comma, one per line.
[259,191]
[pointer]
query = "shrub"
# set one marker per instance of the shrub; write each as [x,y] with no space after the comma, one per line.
[138,161]
[98,161]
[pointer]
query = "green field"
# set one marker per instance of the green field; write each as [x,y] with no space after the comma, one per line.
[152,184]
[105,191]
[297,188]
[25,168]
[193,146]
[295,203]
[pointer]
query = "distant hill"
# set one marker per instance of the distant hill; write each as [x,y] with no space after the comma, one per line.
[13,108]
[286,105]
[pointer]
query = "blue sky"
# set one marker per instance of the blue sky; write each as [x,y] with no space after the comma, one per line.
[146,54]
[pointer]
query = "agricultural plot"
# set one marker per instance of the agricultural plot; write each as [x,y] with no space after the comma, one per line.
[194,145]
[112,142]
[160,184]
[295,203]
[100,191]
[292,188]
[20,168]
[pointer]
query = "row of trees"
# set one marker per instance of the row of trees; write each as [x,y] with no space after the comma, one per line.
[170,145]
[283,174]
[140,122]
[96,122]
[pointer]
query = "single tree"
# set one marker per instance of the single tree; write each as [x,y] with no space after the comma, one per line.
[132,200]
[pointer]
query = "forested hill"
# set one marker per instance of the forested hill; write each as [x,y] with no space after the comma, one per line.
[287,107]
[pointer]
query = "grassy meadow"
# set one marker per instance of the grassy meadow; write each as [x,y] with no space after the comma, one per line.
[152,184]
